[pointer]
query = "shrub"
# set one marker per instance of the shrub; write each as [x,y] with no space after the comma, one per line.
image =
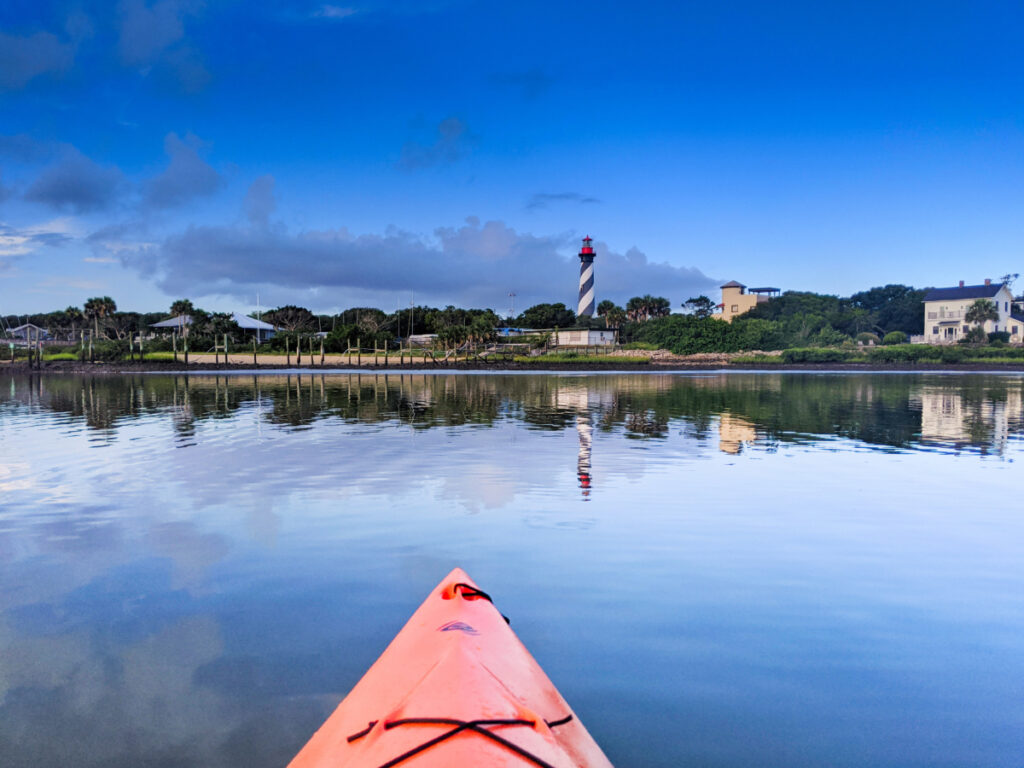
[868,338]
[905,353]
[895,337]
[1001,336]
[976,335]
[817,355]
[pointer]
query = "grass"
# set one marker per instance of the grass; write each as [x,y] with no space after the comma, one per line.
[60,356]
[758,359]
[570,357]
[642,345]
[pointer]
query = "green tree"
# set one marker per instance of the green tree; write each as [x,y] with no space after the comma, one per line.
[292,318]
[981,312]
[615,317]
[547,316]
[73,318]
[181,307]
[98,308]
[643,308]
[699,306]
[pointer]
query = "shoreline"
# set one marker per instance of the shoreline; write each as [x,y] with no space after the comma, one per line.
[122,368]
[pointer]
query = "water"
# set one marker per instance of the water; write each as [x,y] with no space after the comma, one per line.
[716,570]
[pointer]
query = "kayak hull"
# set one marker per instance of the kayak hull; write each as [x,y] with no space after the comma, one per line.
[455,687]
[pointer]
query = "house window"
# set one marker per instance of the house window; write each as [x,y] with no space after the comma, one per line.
[935,329]
[996,327]
[967,328]
[1006,306]
[735,308]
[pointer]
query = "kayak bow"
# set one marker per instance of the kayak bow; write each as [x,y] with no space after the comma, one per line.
[455,687]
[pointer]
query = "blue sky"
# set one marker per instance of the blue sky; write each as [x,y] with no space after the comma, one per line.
[376,152]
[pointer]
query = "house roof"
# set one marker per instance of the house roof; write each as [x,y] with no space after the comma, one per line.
[243,321]
[967,292]
[174,322]
[1017,316]
[25,326]
[247,323]
[733,284]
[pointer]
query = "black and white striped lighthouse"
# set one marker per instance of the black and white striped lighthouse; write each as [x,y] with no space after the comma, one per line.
[586,306]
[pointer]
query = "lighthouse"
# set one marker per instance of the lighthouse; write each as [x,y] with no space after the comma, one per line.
[586,306]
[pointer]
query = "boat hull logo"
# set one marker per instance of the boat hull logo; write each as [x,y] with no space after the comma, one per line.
[457,626]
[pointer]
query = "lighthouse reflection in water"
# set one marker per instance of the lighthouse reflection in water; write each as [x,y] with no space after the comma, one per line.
[584,402]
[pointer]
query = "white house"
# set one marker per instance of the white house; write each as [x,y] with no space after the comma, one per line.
[261,330]
[945,310]
[23,331]
[583,337]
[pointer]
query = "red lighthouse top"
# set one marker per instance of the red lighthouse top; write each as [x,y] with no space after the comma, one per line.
[587,248]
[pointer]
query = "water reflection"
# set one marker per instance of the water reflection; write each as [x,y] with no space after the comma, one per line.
[979,412]
[194,569]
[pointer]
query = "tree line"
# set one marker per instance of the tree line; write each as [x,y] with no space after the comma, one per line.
[794,319]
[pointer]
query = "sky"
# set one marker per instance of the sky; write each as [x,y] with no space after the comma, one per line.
[376,152]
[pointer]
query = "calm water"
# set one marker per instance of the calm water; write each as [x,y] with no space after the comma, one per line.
[716,570]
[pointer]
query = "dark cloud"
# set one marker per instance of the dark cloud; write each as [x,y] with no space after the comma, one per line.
[474,264]
[23,148]
[186,177]
[544,199]
[153,36]
[453,142]
[76,183]
[259,201]
[25,58]
[531,84]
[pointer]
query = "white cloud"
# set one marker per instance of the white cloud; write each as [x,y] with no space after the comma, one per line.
[333,12]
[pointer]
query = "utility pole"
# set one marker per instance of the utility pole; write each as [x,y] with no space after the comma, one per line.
[512,305]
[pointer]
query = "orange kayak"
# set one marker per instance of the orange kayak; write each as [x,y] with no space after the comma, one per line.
[456,687]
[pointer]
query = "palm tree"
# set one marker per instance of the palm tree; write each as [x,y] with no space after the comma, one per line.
[981,311]
[182,307]
[658,306]
[635,309]
[615,317]
[73,316]
[97,308]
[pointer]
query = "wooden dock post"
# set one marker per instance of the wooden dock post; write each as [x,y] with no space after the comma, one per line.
[287,353]
[359,352]
[321,355]
[255,363]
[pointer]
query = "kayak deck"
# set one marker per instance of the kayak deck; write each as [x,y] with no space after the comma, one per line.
[455,687]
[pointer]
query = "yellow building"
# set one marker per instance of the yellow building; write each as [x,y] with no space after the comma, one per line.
[736,299]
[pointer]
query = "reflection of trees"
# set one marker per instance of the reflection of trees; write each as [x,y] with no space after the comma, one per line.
[882,410]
